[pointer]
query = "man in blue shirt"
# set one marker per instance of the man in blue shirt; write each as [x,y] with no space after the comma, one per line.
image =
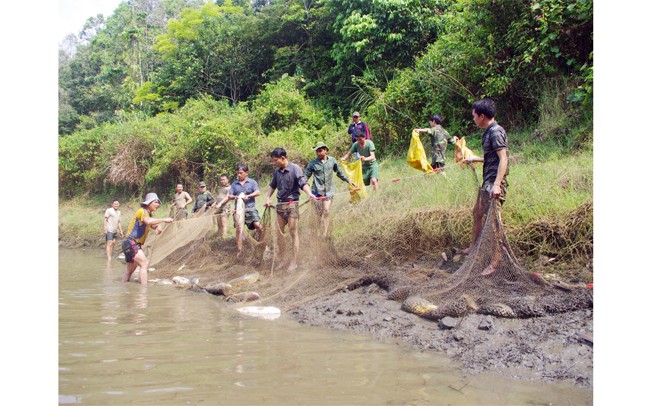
[288,179]
[251,190]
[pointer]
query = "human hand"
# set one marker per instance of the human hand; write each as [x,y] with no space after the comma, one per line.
[267,203]
[495,192]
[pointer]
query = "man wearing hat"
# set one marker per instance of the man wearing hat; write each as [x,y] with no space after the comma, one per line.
[203,198]
[323,168]
[358,127]
[137,234]
[366,150]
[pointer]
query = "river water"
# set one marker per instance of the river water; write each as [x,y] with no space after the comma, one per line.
[122,343]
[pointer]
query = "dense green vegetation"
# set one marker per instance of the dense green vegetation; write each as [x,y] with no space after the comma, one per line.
[166,91]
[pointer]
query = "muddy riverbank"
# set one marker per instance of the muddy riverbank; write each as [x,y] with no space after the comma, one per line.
[550,348]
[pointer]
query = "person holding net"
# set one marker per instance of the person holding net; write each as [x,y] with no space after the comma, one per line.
[136,234]
[222,205]
[323,169]
[180,202]
[248,189]
[204,198]
[288,179]
[495,169]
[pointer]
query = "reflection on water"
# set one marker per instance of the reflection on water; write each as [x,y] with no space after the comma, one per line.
[123,343]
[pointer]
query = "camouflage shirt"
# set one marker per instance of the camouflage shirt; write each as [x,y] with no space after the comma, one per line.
[439,139]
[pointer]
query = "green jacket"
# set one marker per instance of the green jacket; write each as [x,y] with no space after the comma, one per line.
[324,175]
[202,199]
[439,139]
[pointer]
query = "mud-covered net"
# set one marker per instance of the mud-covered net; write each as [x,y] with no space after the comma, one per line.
[396,241]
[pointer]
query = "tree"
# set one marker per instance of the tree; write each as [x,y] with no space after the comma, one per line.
[111,58]
[212,51]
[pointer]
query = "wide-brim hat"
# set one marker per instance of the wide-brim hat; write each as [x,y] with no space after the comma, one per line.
[150,198]
[320,144]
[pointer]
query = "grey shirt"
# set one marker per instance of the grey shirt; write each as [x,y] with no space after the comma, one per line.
[288,182]
[494,139]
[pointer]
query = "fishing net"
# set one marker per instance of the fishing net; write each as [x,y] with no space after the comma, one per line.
[396,241]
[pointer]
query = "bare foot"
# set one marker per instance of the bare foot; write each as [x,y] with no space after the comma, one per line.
[466,251]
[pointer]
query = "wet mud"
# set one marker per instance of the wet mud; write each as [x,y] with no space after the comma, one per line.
[550,348]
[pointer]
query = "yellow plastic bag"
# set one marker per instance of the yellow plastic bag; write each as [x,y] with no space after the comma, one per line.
[462,152]
[417,156]
[354,173]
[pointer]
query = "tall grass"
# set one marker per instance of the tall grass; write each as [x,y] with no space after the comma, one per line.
[548,212]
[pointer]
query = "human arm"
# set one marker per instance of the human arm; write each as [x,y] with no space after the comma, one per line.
[223,201]
[153,221]
[255,193]
[347,155]
[309,170]
[341,175]
[501,172]
[450,139]
[368,158]
[210,200]
[188,199]
[268,196]
[472,160]
[307,190]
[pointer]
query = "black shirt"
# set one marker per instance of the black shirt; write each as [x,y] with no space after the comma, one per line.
[494,139]
[288,182]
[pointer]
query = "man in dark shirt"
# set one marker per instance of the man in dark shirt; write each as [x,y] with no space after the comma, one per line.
[203,199]
[358,127]
[288,179]
[495,167]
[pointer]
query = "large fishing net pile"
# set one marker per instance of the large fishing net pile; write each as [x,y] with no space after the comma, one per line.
[385,239]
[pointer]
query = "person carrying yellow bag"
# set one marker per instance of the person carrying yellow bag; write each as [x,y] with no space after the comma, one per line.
[355,174]
[439,139]
[369,166]
[417,156]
